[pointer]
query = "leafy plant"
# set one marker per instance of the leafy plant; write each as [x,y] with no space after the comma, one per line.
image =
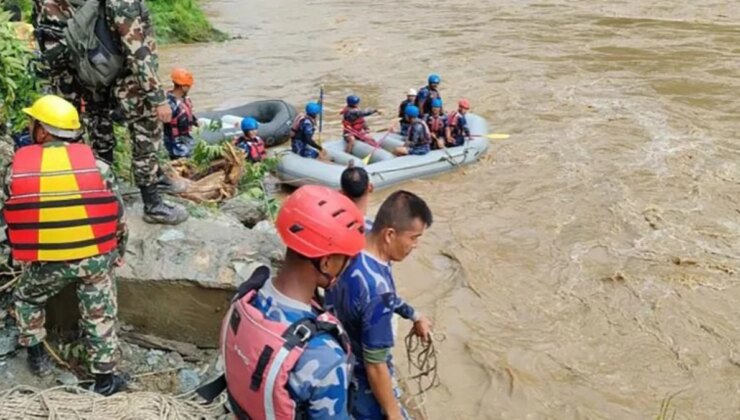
[204,153]
[19,86]
[252,183]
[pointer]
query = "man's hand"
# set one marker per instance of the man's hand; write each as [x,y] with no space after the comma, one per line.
[119,262]
[164,113]
[423,328]
[323,155]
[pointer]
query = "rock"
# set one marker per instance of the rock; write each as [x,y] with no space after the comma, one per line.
[8,340]
[188,380]
[67,378]
[154,358]
[177,281]
[174,359]
[245,209]
[265,226]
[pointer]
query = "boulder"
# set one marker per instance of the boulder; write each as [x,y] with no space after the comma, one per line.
[177,281]
[245,209]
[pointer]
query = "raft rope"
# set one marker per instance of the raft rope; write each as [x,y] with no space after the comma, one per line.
[422,358]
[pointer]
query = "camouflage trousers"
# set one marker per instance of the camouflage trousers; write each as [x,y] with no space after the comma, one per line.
[144,128]
[96,291]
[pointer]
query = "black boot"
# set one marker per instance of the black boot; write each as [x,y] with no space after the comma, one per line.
[157,211]
[107,384]
[169,185]
[39,361]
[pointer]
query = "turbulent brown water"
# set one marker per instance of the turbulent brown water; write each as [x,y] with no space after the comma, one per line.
[588,266]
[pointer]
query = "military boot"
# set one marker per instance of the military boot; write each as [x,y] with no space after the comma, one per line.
[169,185]
[39,361]
[157,211]
[107,384]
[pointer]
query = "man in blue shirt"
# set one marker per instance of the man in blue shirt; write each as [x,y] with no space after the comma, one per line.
[302,131]
[356,185]
[322,230]
[365,299]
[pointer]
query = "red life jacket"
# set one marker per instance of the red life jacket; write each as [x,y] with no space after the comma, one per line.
[357,126]
[255,148]
[182,119]
[59,208]
[259,354]
[436,124]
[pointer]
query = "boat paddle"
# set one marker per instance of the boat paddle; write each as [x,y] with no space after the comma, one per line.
[321,111]
[492,136]
[366,159]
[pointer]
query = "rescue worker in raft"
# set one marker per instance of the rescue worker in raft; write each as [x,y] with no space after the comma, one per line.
[428,93]
[457,125]
[418,138]
[298,353]
[410,100]
[65,225]
[365,299]
[250,142]
[437,123]
[354,125]
[302,131]
[177,138]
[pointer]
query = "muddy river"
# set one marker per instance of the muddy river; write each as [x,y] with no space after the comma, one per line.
[589,266]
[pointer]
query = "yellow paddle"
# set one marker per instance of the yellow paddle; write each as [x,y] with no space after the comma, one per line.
[366,159]
[492,136]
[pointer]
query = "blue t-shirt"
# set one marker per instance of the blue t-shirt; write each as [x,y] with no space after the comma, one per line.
[364,299]
[319,379]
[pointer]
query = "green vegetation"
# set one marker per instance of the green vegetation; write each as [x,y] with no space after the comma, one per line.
[18,83]
[182,21]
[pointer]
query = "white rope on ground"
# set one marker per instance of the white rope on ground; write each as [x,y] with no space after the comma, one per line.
[64,402]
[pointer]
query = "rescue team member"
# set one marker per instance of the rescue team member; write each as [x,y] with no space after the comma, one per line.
[365,299]
[354,124]
[356,185]
[437,123]
[418,137]
[428,93]
[301,134]
[250,142]
[410,100]
[457,124]
[284,357]
[65,225]
[177,138]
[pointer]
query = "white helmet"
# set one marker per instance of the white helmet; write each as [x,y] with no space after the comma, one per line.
[411,92]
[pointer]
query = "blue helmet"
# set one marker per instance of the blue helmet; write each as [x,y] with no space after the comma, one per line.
[434,79]
[412,111]
[436,103]
[249,123]
[312,108]
[353,100]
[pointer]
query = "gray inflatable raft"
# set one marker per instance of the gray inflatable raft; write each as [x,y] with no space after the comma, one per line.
[275,117]
[384,168]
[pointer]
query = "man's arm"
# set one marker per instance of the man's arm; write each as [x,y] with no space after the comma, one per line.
[133,24]
[308,136]
[112,184]
[320,381]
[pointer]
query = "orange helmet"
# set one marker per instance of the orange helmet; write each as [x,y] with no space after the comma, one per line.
[182,77]
[464,103]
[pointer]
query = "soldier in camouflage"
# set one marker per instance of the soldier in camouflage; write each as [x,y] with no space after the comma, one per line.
[137,90]
[41,279]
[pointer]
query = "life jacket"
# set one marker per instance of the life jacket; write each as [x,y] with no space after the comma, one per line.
[182,117]
[357,125]
[429,95]
[255,148]
[259,355]
[59,208]
[426,137]
[453,120]
[436,124]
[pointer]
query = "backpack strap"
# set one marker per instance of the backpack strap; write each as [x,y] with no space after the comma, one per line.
[254,282]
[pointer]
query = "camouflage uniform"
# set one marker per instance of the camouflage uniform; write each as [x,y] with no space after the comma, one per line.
[137,90]
[96,291]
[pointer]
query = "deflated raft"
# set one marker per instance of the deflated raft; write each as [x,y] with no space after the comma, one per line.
[384,168]
[275,117]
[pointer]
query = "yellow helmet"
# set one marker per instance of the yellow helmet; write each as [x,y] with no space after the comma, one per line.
[56,115]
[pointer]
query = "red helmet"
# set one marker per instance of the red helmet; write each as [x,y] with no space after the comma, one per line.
[464,103]
[316,221]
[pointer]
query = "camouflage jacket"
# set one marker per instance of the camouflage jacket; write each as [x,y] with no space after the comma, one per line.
[110,182]
[129,19]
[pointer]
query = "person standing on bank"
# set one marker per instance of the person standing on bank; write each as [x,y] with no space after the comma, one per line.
[103,53]
[65,224]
